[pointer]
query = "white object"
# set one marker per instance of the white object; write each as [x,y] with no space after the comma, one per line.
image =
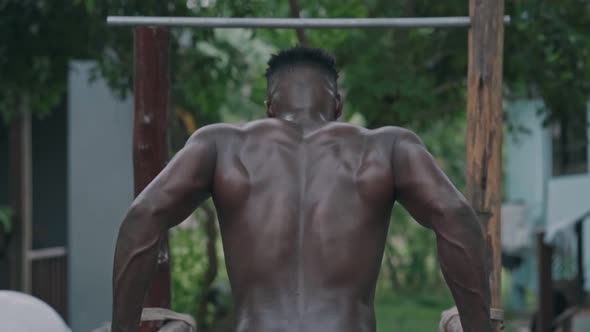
[175,322]
[516,230]
[21,312]
[181,322]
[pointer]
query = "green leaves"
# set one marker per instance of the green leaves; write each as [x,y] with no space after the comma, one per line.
[547,52]
[401,77]
[6,216]
[38,39]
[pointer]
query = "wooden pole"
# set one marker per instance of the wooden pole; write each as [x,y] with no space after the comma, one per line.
[545,287]
[580,260]
[484,128]
[150,146]
[14,250]
[21,184]
[295,9]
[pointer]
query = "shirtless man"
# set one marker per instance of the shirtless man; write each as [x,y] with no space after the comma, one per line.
[304,204]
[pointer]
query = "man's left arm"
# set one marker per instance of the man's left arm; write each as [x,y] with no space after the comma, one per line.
[430,197]
[169,199]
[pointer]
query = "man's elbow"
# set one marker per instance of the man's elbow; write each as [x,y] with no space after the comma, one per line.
[450,208]
[140,218]
[460,213]
[462,209]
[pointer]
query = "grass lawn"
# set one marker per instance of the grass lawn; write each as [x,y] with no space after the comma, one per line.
[421,312]
[415,313]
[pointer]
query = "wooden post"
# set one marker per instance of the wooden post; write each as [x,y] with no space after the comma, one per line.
[295,9]
[545,286]
[484,128]
[580,260]
[21,184]
[150,146]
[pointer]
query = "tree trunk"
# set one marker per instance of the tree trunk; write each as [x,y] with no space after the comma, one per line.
[484,129]
[210,225]
[295,9]
[393,275]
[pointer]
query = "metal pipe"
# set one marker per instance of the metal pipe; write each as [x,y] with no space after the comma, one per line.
[293,23]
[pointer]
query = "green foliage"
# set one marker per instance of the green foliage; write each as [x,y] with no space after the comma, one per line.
[410,77]
[410,262]
[415,75]
[411,311]
[548,53]
[6,219]
[421,310]
[188,247]
[188,266]
[37,39]
[407,88]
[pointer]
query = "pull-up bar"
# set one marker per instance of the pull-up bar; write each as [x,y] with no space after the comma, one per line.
[292,23]
[484,111]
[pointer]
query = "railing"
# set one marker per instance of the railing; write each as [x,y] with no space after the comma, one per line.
[545,250]
[49,277]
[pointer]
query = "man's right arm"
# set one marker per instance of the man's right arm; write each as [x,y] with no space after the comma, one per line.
[168,200]
[430,197]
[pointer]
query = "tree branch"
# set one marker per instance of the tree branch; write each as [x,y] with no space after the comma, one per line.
[295,13]
[212,263]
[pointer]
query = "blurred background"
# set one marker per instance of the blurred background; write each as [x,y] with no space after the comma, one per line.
[72,76]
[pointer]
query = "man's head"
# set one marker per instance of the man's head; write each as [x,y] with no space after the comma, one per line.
[303,79]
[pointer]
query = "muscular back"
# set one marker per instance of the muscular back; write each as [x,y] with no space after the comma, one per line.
[304,211]
[304,218]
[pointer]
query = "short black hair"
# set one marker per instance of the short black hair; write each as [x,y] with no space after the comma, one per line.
[302,55]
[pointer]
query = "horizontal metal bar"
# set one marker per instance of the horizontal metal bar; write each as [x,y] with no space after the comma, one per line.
[39,254]
[293,23]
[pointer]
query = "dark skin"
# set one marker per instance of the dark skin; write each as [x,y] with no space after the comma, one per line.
[304,205]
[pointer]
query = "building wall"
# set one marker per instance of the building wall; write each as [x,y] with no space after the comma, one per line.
[569,198]
[525,173]
[524,166]
[569,195]
[529,178]
[100,190]
[49,181]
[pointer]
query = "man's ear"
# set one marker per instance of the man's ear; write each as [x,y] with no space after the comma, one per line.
[269,111]
[339,107]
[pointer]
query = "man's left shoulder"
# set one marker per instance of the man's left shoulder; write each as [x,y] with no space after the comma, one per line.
[397,134]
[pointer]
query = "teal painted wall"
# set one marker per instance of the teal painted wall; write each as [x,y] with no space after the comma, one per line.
[525,168]
[528,178]
[569,198]
[100,189]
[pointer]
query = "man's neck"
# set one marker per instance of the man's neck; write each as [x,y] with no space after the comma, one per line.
[308,119]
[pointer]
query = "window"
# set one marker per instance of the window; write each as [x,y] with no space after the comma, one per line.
[570,144]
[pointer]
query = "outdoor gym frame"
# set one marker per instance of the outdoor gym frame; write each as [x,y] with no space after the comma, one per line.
[295,23]
[484,111]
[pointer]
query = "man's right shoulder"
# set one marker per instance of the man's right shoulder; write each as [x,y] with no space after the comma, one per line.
[214,132]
